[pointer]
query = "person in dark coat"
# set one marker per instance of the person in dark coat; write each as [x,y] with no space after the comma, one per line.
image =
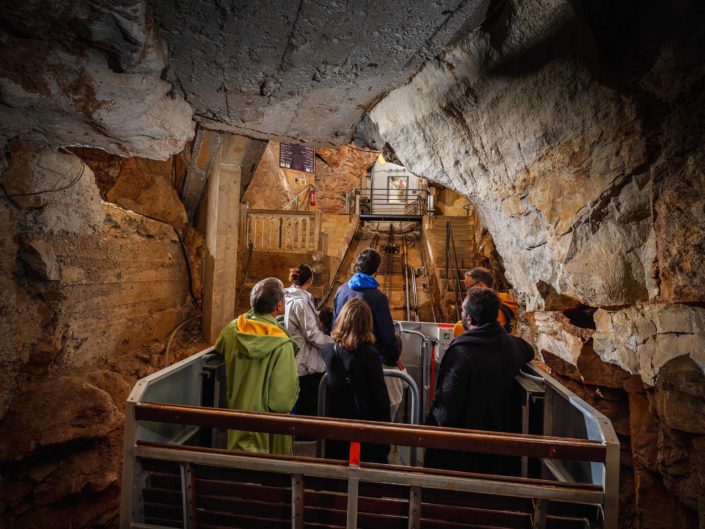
[355,384]
[475,382]
[363,286]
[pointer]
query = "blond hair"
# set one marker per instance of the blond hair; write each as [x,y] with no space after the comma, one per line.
[353,327]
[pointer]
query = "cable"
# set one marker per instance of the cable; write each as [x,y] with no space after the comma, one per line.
[171,337]
[360,149]
[56,190]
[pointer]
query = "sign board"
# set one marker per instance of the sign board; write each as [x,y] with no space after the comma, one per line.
[297,157]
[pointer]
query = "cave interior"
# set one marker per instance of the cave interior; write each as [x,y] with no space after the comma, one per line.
[141,146]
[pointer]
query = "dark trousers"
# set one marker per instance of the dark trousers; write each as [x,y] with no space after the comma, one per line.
[308,394]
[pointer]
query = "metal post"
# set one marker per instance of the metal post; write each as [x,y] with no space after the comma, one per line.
[414,507]
[540,509]
[547,423]
[187,495]
[447,250]
[297,501]
[353,490]
[611,484]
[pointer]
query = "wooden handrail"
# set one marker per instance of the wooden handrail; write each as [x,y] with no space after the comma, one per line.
[403,468]
[479,441]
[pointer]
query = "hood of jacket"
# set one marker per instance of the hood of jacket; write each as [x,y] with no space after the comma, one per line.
[362,281]
[509,302]
[478,335]
[293,293]
[259,335]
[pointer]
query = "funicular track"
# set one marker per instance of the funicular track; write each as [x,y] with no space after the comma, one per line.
[402,273]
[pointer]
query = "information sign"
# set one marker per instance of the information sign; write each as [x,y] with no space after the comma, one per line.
[297,157]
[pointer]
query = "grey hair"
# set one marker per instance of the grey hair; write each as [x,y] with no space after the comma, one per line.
[266,294]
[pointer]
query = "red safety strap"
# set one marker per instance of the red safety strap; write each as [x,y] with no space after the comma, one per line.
[355,453]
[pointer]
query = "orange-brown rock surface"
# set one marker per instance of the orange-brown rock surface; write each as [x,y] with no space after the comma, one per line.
[339,170]
[91,290]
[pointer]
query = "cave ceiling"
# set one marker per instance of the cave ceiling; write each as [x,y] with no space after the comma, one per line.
[132,76]
[306,70]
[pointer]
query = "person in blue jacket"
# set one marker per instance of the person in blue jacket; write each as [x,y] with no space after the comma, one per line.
[363,285]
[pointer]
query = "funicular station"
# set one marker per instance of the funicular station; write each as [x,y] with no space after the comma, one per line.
[178,473]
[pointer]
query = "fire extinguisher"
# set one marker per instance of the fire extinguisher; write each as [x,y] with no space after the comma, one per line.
[312,197]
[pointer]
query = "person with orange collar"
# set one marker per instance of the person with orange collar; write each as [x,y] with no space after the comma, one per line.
[260,367]
[508,309]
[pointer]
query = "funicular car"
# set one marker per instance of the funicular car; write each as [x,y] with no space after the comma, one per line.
[178,474]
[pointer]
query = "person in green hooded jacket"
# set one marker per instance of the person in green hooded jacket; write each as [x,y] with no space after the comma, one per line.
[260,367]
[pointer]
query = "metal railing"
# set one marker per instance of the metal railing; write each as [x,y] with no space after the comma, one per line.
[451,262]
[392,202]
[414,405]
[295,200]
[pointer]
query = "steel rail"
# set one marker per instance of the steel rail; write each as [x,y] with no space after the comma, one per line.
[422,244]
[405,267]
[324,297]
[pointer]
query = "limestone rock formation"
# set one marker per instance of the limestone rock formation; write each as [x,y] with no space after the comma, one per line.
[643,338]
[679,398]
[56,411]
[339,172]
[59,84]
[588,198]
[582,152]
[525,181]
[118,28]
[567,132]
[52,182]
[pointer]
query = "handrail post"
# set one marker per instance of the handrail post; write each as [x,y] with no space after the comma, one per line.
[317,231]
[611,486]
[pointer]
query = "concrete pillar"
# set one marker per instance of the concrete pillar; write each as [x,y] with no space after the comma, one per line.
[222,231]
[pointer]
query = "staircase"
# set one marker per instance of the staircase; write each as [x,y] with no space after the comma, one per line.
[467,256]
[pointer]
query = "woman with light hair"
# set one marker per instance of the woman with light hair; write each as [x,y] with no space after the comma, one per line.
[305,328]
[356,388]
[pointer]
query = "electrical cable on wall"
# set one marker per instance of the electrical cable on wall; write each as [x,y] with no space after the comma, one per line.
[72,183]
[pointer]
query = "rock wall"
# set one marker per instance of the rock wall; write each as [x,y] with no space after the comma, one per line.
[514,141]
[90,293]
[576,129]
[661,426]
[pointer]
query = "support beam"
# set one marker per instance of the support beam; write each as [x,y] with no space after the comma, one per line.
[222,230]
[204,152]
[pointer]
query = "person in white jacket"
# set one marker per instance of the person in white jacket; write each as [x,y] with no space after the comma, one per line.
[305,328]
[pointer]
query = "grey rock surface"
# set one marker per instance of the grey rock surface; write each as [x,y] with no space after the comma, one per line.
[643,338]
[75,98]
[303,70]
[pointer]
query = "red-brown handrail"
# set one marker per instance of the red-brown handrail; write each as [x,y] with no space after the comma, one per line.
[479,441]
